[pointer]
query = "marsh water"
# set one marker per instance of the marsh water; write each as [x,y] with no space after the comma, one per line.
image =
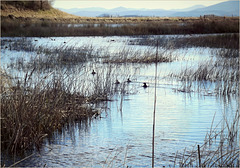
[122,135]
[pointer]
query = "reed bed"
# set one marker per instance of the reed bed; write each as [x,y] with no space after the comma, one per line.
[19,44]
[48,58]
[146,56]
[14,28]
[34,107]
[221,74]
[64,56]
[31,111]
[226,41]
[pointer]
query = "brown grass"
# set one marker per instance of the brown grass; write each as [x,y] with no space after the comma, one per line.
[55,15]
[53,22]
[223,74]
[220,147]
[31,111]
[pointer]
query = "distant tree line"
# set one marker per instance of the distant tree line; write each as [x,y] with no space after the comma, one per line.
[33,5]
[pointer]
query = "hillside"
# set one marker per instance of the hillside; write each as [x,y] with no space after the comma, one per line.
[17,12]
[35,21]
[13,13]
[228,8]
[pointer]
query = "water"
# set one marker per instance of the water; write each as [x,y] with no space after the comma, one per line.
[181,121]
[99,25]
[122,135]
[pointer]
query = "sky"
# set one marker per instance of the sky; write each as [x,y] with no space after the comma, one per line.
[150,4]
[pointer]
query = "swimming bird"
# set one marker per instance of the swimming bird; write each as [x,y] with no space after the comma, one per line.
[145,85]
[128,80]
[117,82]
[93,72]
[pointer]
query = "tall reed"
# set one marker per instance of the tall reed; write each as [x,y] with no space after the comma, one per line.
[155,104]
[32,110]
[51,28]
[222,74]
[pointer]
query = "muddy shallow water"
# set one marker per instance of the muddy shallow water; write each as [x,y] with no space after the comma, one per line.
[122,134]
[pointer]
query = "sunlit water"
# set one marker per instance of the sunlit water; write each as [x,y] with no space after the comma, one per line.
[122,135]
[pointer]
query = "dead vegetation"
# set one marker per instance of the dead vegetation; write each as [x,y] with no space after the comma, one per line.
[220,147]
[32,110]
[52,22]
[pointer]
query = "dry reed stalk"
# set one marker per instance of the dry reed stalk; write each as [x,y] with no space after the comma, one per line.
[155,103]
[33,111]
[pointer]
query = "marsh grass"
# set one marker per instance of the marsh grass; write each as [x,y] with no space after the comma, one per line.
[227,53]
[220,147]
[221,73]
[61,56]
[228,42]
[146,56]
[31,111]
[64,56]
[50,28]
[18,44]
[50,58]
[34,106]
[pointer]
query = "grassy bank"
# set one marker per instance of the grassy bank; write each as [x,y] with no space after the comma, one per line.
[48,27]
[22,19]
[35,106]
[32,110]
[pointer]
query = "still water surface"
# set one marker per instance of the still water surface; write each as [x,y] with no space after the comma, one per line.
[122,135]
[125,137]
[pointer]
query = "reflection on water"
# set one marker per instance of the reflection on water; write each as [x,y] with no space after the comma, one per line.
[122,135]
[181,121]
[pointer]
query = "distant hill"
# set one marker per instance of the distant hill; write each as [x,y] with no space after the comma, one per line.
[120,11]
[228,8]
[190,8]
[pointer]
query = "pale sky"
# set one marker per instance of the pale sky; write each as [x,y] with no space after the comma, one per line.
[151,4]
